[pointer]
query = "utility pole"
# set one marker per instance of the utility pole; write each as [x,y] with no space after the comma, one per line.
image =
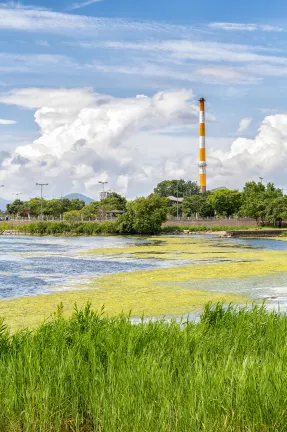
[1,187]
[177,201]
[103,183]
[41,185]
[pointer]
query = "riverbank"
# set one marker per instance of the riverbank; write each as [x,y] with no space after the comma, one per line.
[226,373]
[111,228]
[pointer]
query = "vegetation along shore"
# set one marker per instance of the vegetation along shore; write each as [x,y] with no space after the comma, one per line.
[92,373]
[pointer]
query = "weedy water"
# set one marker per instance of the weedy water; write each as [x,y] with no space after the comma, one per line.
[91,373]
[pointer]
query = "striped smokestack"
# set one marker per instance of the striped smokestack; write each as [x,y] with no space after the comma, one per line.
[202,155]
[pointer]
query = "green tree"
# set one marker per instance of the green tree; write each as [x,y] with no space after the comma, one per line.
[144,215]
[225,202]
[169,188]
[34,206]
[76,204]
[276,210]
[257,199]
[172,210]
[192,205]
[15,207]
[197,205]
[73,216]
[53,208]
[91,210]
[114,202]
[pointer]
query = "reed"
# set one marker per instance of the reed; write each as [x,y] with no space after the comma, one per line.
[92,373]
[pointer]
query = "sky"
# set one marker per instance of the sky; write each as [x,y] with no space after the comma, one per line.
[107,90]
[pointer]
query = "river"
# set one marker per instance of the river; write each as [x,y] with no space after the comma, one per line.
[40,265]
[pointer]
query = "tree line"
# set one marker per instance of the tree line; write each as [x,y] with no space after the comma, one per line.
[264,203]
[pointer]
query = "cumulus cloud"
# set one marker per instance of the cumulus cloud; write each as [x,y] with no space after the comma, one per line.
[249,158]
[83,137]
[244,124]
[7,122]
[87,137]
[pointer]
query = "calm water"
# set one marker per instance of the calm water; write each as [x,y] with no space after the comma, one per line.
[33,265]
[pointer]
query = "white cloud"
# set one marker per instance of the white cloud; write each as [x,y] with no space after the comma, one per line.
[45,21]
[18,5]
[81,5]
[74,99]
[87,137]
[244,124]
[83,138]
[244,27]
[7,122]
[200,50]
[226,74]
[265,155]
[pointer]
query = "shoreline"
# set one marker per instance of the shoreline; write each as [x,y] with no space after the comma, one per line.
[223,234]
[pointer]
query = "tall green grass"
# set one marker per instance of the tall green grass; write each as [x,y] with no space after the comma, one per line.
[91,373]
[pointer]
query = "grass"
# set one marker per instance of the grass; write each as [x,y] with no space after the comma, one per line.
[90,373]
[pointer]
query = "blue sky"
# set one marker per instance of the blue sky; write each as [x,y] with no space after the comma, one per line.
[232,53]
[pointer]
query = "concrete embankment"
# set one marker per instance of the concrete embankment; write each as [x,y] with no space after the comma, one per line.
[256,233]
[10,232]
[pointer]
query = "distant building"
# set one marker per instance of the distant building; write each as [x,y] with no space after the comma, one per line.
[175,200]
[105,194]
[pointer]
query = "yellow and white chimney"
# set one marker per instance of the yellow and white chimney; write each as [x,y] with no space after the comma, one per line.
[202,155]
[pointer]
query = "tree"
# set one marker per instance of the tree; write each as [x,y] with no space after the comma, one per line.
[53,208]
[225,202]
[91,210]
[15,207]
[172,211]
[197,205]
[76,204]
[114,202]
[168,188]
[144,215]
[73,216]
[276,210]
[34,206]
[191,205]
[257,199]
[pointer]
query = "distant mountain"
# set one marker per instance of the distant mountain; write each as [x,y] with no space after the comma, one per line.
[87,200]
[3,204]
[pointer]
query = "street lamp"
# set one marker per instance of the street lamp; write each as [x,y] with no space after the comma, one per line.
[17,194]
[41,185]
[103,183]
[177,201]
[1,187]
[261,179]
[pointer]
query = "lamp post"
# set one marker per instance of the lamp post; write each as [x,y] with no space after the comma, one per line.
[41,185]
[261,179]
[177,201]
[1,187]
[103,183]
[17,195]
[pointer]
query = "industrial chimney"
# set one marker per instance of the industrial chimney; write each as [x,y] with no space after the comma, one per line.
[202,155]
